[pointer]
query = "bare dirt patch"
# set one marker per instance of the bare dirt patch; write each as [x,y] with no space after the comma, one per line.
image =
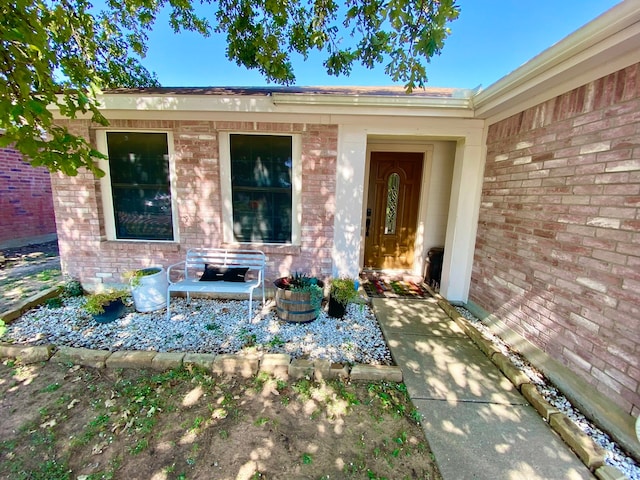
[62,422]
[25,271]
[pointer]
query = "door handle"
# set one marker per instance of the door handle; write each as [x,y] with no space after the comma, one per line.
[368,223]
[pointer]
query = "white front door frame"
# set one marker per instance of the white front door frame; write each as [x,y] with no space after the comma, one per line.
[352,175]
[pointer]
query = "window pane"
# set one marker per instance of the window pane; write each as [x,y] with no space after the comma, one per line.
[393,187]
[261,186]
[139,168]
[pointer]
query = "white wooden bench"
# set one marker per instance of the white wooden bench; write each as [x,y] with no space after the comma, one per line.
[219,261]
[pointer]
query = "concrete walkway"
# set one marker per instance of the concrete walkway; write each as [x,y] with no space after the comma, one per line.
[477,423]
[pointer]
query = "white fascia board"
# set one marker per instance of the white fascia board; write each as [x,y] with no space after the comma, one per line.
[375,110]
[376,101]
[186,103]
[213,116]
[175,109]
[301,104]
[608,43]
[124,102]
[198,107]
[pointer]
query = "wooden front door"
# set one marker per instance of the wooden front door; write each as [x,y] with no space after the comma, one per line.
[392,209]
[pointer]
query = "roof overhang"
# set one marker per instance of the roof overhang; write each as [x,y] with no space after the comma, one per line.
[299,101]
[607,44]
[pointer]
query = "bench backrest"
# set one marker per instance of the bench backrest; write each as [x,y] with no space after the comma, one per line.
[197,258]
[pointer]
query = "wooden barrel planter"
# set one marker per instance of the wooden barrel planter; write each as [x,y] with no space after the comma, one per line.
[295,307]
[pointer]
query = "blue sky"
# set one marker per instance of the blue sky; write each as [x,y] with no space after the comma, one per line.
[490,39]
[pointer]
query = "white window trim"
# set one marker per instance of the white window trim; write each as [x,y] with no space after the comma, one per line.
[225,186]
[107,195]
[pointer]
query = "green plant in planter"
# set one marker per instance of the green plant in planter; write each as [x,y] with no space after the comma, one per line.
[297,281]
[302,283]
[96,302]
[343,290]
[133,276]
[315,294]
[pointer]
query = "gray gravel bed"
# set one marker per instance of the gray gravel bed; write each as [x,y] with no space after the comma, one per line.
[208,326]
[615,455]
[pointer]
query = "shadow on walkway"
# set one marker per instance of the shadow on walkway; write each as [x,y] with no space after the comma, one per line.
[477,423]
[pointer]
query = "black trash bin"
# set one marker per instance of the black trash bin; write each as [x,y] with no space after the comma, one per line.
[434,267]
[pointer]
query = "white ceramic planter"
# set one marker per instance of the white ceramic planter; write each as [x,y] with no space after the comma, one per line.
[151,292]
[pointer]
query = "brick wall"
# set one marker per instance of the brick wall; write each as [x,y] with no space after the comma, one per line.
[558,245]
[26,206]
[88,256]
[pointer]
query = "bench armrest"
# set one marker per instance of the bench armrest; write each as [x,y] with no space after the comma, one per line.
[171,267]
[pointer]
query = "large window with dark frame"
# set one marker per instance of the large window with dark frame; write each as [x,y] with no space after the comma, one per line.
[140,187]
[261,173]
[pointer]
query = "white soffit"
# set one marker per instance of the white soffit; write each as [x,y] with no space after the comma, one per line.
[607,44]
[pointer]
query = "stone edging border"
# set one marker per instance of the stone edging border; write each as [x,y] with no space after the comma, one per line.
[17,310]
[589,452]
[279,365]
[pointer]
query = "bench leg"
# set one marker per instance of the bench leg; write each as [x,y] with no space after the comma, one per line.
[168,305]
[250,303]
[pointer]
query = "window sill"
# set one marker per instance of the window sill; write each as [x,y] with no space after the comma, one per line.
[268,248]
[169,244]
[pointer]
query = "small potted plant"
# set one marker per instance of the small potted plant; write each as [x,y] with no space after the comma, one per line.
[299,297]
[342,291]
[106,306]
[148,288]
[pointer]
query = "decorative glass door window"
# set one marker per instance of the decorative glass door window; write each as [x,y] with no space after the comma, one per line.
[261,173]
[393,187]
[140,187]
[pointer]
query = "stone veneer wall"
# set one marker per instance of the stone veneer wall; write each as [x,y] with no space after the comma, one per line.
[26,206]
[558,245]
[88,256]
